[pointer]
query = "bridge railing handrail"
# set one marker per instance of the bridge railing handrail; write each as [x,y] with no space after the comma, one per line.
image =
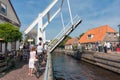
[67,27]
[63,31]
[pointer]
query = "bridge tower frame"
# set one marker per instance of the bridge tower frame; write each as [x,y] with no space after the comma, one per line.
[39,20]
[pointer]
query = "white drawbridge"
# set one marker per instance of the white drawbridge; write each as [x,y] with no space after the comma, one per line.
[50,16]
[39,21]
[67,29]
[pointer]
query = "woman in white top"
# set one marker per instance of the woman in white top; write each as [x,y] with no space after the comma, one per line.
[32,60]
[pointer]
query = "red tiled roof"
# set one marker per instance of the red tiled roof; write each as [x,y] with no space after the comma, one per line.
[98,34]
[72,41]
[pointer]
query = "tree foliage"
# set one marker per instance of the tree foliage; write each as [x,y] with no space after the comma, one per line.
[62,44]
[81,35]
[9,32]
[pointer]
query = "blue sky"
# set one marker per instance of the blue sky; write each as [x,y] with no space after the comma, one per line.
[94,13]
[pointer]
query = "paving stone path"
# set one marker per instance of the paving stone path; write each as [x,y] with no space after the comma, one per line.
[21,73]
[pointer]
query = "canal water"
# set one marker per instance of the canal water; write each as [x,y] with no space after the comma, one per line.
[67,68]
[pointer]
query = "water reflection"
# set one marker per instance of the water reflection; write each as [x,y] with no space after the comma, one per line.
[67,68]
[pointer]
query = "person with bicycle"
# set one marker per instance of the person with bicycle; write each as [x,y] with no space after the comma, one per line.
[40,50]
[32,59]
[38,61]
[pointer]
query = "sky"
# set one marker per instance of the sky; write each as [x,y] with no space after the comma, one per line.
[94,13]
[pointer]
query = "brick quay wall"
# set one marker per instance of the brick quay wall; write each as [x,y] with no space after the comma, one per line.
[110,61]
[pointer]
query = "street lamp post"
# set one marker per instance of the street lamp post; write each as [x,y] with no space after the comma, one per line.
[119,33]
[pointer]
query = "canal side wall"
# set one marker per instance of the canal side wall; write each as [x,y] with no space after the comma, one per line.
[110,61]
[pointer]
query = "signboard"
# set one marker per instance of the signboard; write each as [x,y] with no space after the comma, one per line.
[30,40]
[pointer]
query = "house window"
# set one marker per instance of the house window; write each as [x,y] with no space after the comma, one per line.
[109,34]
[115,35]
[13,45]
[3,9]
[90,36]
[0,46]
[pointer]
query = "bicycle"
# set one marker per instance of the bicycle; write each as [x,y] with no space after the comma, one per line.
[38,65]
[37,68]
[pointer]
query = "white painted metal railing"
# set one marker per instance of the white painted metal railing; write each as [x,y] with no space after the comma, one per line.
[48,71]
[63,33]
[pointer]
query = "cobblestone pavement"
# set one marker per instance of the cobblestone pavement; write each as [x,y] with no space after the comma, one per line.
[20,73]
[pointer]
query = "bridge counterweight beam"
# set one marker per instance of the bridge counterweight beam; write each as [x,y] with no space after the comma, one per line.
[49,8]
[51,18]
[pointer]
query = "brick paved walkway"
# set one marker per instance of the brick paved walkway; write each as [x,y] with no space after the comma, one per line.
[20,73]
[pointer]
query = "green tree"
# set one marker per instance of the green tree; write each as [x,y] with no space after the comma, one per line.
[9,33]
[81,35]
[62,44]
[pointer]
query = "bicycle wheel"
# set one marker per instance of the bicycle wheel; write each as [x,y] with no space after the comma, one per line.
[37,74]
[37,71]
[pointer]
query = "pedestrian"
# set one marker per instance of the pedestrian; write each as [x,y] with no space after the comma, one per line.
[105,47]
[32,60]
[108,46]
[39,49]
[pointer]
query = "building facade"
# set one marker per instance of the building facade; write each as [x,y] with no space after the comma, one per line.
[71,44]
[98,36]
[8,14]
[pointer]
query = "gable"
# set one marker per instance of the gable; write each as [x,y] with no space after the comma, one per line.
[8,13]
[111,37]
[98,34]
